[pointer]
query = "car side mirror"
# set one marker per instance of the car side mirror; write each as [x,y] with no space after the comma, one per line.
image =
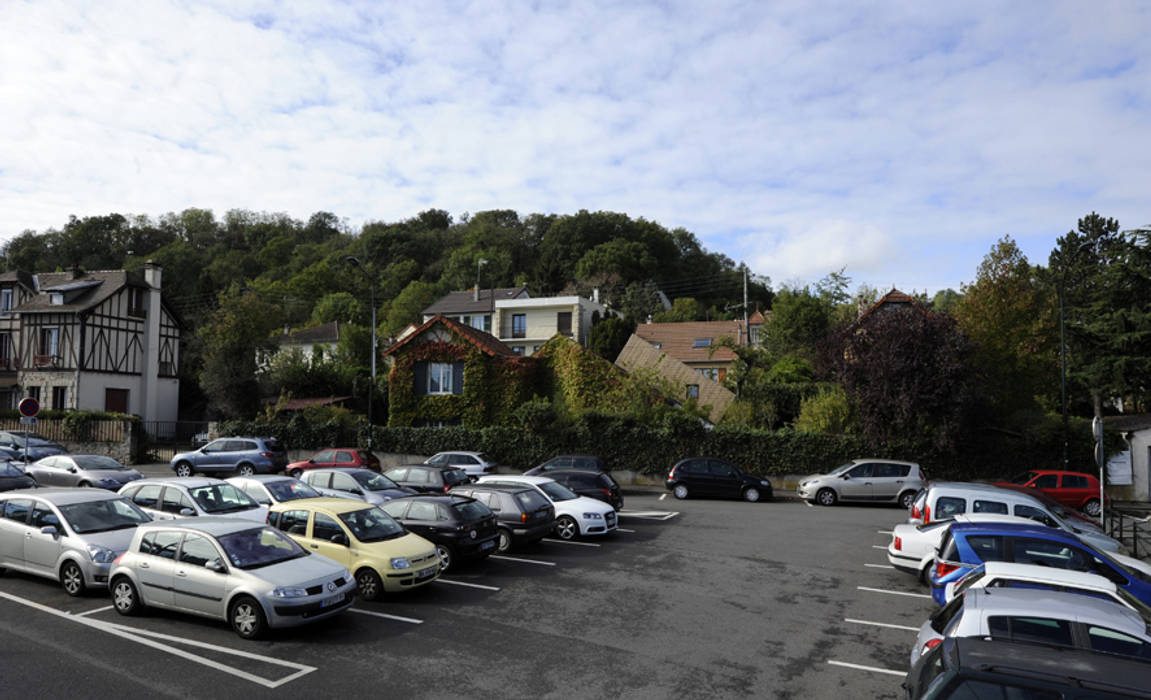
[187,512]
[72,470]
[845,477]
[215,565]
[49,530]
[1031,486]
[338,539]
[311,461]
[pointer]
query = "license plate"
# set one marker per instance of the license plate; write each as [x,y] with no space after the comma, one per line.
[329,602]
[488,545]
[427,573]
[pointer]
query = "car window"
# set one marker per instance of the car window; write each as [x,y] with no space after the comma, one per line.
[240,446]
[103,515]
[1030,629]
[260,546]
[1074,481]
[197,550]
[557,463]
[1048,553]
[470,511]
[272,444]
[344,457]
[294,522]
[290,490]
[215,446]
[467,459]
[989,507]
[147,496]
[17,509]
[344,482]
[884,470]
[861,471]
[987,547]
[438,459]
[325,456]
[455,476]
[1035,514]
[43,516]
[396,509]
[373,481]
[531,500]
[949,507]
[372,525]
[397,474]
[422,510]
[222,498]
[1047,481]
[160,544]
[1112,642]
[325,527]
[174,501]
[719,468]
[419,476]
[255,491]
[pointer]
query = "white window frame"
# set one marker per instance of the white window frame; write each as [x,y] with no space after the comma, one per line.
[441,373]
[7,296]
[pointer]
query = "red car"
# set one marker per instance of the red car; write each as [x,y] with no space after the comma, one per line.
[338,457]
[1072,489]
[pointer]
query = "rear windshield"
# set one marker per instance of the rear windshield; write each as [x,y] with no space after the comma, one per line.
[531,500]
[373,481]
[290,490]
[606,481]
[218,499]
[471,510]
[97,462]
[455,476]
[9,469]
[969,580]
[942,617]
[273,445]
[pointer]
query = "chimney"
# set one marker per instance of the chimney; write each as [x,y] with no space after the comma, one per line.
[74,271]
[595,294]
[476,293]
[152,274]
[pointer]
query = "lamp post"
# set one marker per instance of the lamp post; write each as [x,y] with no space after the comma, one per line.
[479,263]
[352,260]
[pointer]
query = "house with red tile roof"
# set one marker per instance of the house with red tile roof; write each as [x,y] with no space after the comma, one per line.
[696,344]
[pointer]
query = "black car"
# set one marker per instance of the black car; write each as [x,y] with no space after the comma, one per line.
[707,476]
[597,485]
[588,463]
[522,514]
[428,478]
[12,477]
[974,667]
[460,527]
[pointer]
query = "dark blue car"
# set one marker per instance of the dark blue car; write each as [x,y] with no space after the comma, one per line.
[967,545]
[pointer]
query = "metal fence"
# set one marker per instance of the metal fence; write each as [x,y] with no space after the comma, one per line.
[162,440]
[60,431]
[1132,528]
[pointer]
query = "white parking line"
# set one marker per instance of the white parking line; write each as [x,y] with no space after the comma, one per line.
[620,529]
[808,504]
[861,667]
[138,636]
[465,583]
[386,616]
[878,546]
[581,544]
[886,532]
[524,561]
[879,566]
[882,624]
[93,612]
[649,514]
[663,497]
[880,590]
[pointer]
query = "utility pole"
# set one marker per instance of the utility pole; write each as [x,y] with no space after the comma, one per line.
[352,260]
[746,319]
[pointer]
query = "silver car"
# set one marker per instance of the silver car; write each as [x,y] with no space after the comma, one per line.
[68,535]
[82,470]
[873,480]
[188,497]
[359,484]
[270,489]
[252,576]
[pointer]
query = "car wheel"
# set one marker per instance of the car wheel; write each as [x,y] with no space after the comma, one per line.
[751,494]
[504,543]
[445,553]
[124,596]
[566,527]
[296,473]
[247,618]
[184,469]
[368,584]
[84,485]
[826,497]
[71,578]
[925,575]
[1092,508]
[906,499]
[245,470]
[680,491]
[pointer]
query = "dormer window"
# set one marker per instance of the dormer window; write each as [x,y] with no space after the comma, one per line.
[701,343]
[56,299]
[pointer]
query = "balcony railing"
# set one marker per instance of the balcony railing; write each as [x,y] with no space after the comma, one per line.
[46,361]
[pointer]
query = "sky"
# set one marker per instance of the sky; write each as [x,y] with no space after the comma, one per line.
[897,141]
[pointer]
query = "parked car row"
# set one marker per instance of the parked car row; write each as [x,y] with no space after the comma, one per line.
[1054,601]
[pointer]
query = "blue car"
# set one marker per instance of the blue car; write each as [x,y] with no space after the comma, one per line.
[965,546]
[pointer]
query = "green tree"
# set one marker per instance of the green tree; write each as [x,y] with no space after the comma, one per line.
[799,320]
[640,302]
[682,309]
[229,342]
[945,301]
[829,412]
[609,336]
[338,306]
[406,307]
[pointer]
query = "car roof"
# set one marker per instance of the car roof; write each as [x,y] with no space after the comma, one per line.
[64,496]
[437,497]
[993,518]
[502,488]
[515,478]
[263,478]
[1049,574]
[968,485]
[885,461]
[1057,605]
[333,506]
[189,482]
[208,524]
[1012,529]
[337,470]
[458,452]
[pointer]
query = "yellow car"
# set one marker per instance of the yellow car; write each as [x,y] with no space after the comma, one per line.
[381,554]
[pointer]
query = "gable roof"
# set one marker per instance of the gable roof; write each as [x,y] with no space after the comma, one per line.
[639,353]
[894,298]
[464,302]
[484,342]
[88,289]
[323,333]
[679,339]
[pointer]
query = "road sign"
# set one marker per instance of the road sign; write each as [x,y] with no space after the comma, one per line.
[28,407]
[25,420]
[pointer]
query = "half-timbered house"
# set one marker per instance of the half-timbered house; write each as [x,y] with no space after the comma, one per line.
[98,340]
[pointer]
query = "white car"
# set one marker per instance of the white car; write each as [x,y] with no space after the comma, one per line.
[1044,617]
[1006,574]
[185,497]
[575,514]
[475,464]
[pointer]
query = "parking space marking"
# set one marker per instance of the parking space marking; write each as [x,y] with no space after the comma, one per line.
[808,504]
[909,628]
[663,497]
[879,566]
[861,667]
[465,583]
[581,544]
[397,618]
[886,532]
[878,546]
[620,529]
[649,514]
[523,561]
[880,590]
[141,637]
[93,612]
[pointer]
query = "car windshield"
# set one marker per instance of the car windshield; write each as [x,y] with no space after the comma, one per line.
[260,546]
[453,477]
[97,462]
[840,469]
[102,516]
[557,492]
[373,481]
[1022,478]
[482,457]
[9,469]
[969,580]
[372,525]
[290,490]
[471,510]
[222,498]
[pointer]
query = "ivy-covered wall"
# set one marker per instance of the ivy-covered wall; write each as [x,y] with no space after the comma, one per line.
[580,380]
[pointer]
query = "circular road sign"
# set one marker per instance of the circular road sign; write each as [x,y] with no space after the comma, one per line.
[28,407]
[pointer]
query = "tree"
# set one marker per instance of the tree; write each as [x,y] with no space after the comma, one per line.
[909,375]
[799,320]
[338,306]
[229,342]
[640,302]
[406,307]
[609,336]
[682,309]
[945,300]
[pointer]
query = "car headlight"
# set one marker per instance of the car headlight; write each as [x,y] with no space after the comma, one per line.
[108,483]
[100,555]
[764,483]
[593,516]
[401,563]
[289,592]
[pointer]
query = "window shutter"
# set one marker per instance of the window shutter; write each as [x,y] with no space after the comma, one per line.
[457,377]
[421,378]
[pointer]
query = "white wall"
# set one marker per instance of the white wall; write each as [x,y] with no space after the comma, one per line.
[90,393]
[1140,467]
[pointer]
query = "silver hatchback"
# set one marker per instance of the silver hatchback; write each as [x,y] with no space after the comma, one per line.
[874,480]
[68,535]
[252,576]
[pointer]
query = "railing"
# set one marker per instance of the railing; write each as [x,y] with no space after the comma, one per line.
[59,431]
[1132,528]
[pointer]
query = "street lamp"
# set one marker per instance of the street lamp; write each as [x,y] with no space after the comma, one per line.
[479,263]
[1063,350]
[353,260]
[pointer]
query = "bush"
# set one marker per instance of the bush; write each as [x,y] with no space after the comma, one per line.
[829,412]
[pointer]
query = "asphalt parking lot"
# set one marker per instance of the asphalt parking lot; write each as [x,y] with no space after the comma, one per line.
[691,598]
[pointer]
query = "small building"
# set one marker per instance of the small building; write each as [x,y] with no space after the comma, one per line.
[689,381]
[696,343]
[473,307]
[314,342]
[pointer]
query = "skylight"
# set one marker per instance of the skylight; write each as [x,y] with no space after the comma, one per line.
[701,343]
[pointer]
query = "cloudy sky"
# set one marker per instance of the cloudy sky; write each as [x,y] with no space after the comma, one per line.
[899,140]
